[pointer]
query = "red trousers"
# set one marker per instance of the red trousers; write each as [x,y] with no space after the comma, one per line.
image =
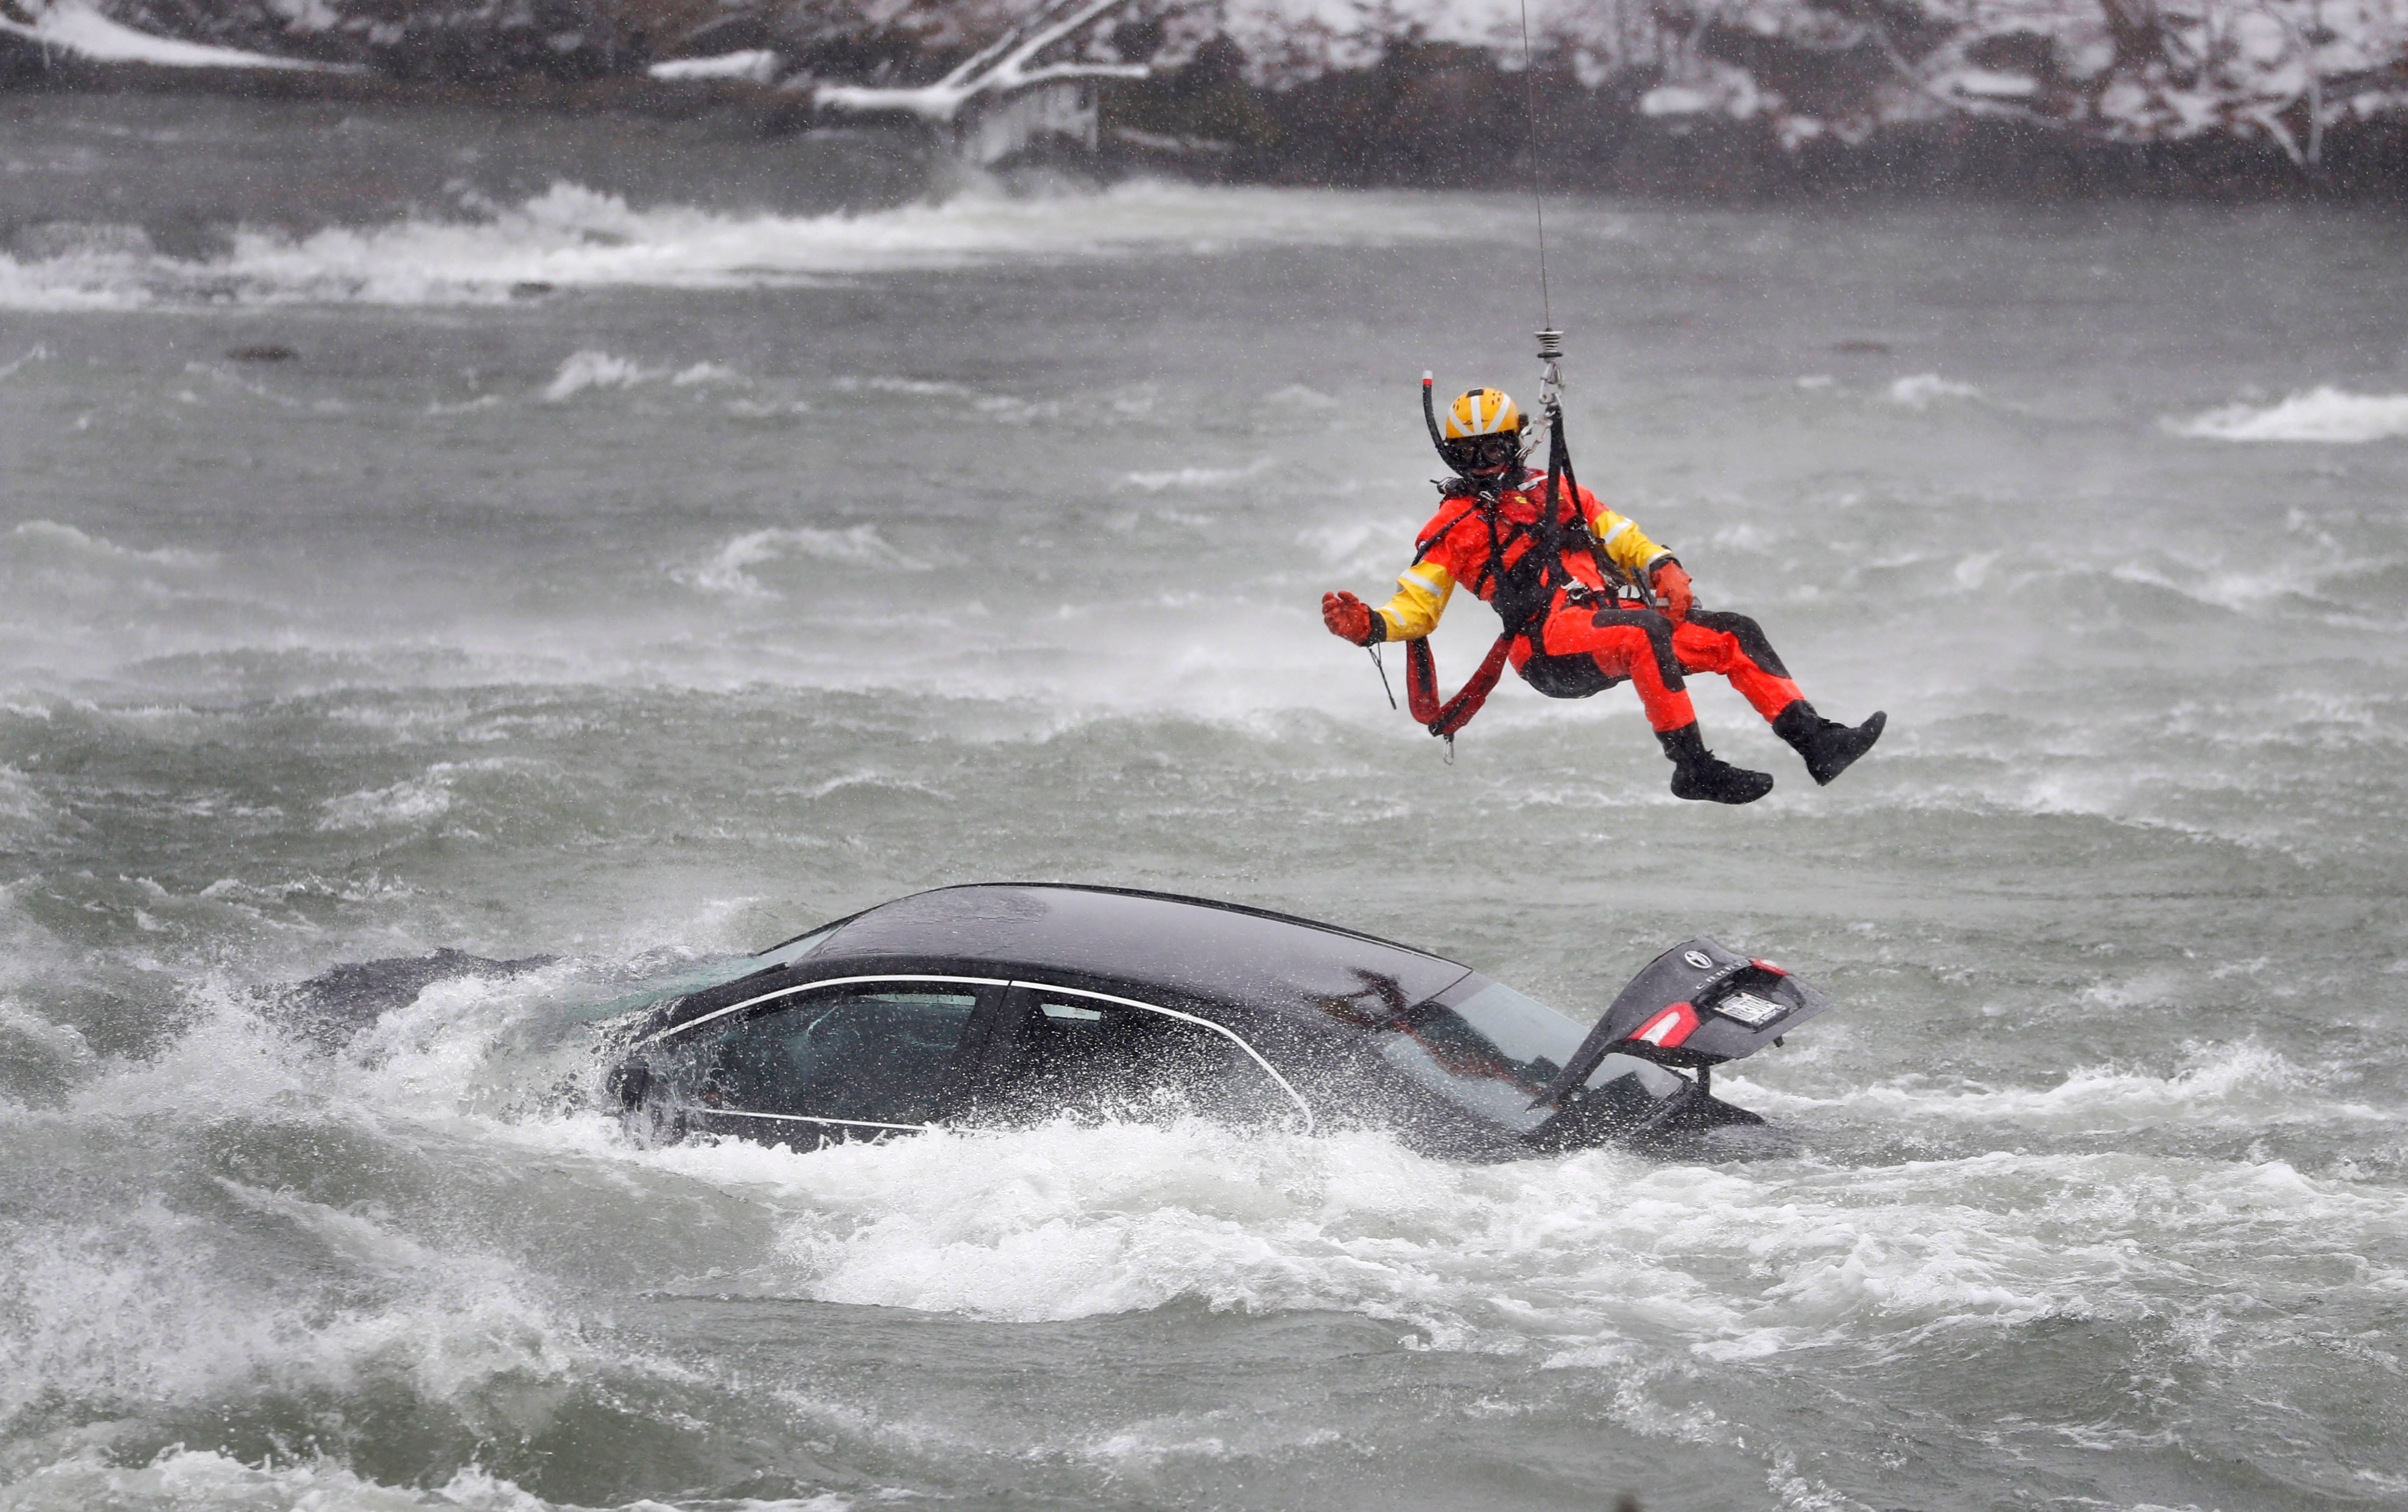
[1587,648]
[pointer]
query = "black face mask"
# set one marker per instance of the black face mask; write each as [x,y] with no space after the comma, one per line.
[1483,456]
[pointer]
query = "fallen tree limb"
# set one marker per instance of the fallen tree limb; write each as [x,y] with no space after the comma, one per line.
[1004,67]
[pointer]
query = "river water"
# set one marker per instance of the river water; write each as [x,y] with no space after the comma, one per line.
[657,543]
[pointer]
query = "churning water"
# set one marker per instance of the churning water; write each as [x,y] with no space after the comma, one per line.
[646,555]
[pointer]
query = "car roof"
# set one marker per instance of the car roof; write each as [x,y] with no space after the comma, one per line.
[1194,948]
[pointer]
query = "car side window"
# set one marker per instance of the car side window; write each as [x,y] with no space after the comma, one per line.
[1092,1060]
[870,1054]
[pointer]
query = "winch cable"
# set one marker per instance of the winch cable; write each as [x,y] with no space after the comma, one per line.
[1530,155]
[1443,716]
[1551,340]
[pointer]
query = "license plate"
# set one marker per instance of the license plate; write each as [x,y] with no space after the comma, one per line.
[1751,1010]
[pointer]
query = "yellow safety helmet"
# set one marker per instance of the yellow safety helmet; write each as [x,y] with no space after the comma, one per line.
[1482,435]
[1482,412]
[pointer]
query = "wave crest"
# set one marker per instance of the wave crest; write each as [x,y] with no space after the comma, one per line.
[857,545]
[2324,413]
[1921,391]
[571,237]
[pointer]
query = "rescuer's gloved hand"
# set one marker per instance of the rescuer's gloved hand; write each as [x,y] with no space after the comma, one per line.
[1350,618]
[1671,584]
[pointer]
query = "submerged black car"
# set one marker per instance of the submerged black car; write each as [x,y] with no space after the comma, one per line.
[996,1006]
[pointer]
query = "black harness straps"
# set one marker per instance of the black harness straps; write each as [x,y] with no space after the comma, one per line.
[1525,588]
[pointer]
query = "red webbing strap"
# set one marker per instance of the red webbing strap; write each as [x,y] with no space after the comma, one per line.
[1421,687]
[1445,717]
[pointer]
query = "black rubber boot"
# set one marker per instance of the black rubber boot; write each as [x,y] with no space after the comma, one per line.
[1697,773]
[1828,746]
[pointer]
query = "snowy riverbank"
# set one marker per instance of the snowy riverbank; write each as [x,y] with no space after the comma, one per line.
[1731,99]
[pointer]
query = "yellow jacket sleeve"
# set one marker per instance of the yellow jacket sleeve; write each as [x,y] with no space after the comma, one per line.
[1625,545]
[1421,593]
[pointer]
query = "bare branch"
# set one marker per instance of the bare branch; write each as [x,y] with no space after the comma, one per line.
[1000,68]
[1053,72]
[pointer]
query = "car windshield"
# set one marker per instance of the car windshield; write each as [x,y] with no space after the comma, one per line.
[789,953]
[703,975]
[1494,1052]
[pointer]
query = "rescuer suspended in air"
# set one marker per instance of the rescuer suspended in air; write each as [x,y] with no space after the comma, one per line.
[1586,599]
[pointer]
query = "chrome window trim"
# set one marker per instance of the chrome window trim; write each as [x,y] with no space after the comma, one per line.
[814,986]
[809,1118]
[1224,1030]
[1302,1107]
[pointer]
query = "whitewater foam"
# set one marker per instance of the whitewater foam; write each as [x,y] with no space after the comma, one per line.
[48,542]
[570,236]
[706,372]
[177,1478]
[2324,413]
[583,370]
[21,802]
[593,368]
[1154,482]
[411,802]
[1580,1259]
[725,574]
[125,1318]
[2246,1085]
[1921,391]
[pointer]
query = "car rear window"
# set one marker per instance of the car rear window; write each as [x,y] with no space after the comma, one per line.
[1492,1052]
